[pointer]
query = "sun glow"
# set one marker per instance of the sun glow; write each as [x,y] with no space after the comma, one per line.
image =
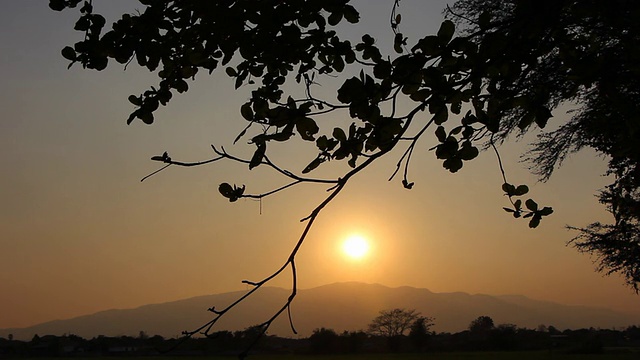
[355,247]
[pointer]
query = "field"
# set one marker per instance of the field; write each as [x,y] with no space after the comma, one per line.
[465,356]
[531,355]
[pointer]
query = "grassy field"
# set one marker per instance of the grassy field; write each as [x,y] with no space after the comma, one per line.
[428,356]
[455,356]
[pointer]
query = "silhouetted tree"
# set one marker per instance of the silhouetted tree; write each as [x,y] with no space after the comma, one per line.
[633,333]
[250,332]
[588,342]
[393,322]
[504,337]
[481,324]
[355,340]
[324,341]
[584,52]
[512,64]
[419,332]
[553,330]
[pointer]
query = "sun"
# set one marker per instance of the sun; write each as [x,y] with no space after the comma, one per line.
[356,247]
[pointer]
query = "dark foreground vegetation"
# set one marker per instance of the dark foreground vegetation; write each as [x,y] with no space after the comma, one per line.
[501,342]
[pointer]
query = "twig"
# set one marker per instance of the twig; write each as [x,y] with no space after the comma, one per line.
[155,172]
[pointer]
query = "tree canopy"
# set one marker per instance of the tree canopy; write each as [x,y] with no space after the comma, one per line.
[494,69]
[585,53]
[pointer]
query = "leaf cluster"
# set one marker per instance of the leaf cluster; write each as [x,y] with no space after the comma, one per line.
[531,209]
[178,39]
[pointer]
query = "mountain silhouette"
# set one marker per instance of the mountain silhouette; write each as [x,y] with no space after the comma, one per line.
[340,306]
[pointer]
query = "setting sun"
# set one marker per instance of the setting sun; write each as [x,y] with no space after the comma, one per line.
[355,247]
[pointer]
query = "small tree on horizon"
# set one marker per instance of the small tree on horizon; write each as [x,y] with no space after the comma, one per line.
[481,324]
[394,322]
[323,340]
[420,331]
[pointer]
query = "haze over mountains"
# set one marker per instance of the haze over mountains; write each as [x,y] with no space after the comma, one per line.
[341,306]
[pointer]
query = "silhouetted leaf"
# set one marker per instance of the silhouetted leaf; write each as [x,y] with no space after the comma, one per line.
[352,161]
[312,165]
[441,134]
[429,45]
[68,53]
[135,100]
[246,111]
[146,117]
[226,190]
[447,149]
[534,222]
[164,157]
[131,117]
[339,134]
[441,116]
[447,28]
[542,117]
[258,155]
[352,87]
[242,133]
[232,193]
[521,190]
[468,152]
[531,205]
[351,14]
[338,64]
[335,18]
[57,5]
[398,42]
[453,164]
[83,23]
[468,132]
[307,128]
[181,86]
[545,211]
[509,189]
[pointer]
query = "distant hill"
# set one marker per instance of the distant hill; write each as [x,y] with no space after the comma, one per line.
[340,306]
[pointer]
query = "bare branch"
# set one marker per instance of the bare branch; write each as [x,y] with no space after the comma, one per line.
[409,151]
[223,154]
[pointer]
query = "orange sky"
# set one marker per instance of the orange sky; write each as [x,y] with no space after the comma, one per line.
[79,233]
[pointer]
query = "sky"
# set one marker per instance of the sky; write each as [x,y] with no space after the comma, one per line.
[80,233]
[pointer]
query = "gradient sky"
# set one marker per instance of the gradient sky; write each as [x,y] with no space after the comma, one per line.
[80,233]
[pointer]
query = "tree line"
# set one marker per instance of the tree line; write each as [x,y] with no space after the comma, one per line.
[394,330]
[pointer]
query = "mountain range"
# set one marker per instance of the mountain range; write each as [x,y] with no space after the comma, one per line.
[340,306]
